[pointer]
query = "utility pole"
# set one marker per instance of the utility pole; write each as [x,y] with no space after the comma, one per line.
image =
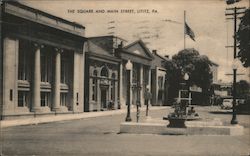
[1,78]
[184,29]
[234,15]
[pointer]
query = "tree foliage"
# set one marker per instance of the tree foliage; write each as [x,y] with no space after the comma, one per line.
[243,37]
[242,88]
[197,66]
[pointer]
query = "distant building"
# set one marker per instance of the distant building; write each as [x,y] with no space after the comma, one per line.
[40,62]
[214,70]
[47,66]
[140,77]
[159,84]
[102,73]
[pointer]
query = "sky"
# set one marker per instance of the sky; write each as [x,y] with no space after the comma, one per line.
[162,28]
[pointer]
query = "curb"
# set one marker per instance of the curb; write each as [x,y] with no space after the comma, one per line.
[66,117]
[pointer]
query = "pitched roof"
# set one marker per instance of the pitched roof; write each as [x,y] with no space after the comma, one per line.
[158,60]
[94,48]
[142,44]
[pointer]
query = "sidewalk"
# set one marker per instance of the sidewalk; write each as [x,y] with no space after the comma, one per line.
[65,117]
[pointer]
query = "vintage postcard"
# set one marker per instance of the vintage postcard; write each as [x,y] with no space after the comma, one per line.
[125,77]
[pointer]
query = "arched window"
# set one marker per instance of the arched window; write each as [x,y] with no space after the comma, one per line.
[94,86]
[105,72]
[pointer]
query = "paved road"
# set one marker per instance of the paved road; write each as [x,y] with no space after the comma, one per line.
[99,137]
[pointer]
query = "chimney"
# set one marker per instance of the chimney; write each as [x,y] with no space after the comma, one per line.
[167,56]
[120,45]
[154,51]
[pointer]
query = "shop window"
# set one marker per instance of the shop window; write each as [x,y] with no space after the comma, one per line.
[145,75]
[22,99]
[64,70]
[113,90]
[23,61]
[113,87]
[45,99]
[45,66]
[94,86]
[160,82]
[63,99]
[136,73]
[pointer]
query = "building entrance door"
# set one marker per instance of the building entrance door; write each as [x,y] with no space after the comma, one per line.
[103,97]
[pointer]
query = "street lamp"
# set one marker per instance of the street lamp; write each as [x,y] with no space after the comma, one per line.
[186,76]
[128,67]
[235,65]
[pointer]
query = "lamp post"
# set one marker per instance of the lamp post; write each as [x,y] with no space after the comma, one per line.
[186,78]
[138,102]
[128,68]
[234,66]
[186,88]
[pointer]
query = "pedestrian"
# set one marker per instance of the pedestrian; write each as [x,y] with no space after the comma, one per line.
[147,97]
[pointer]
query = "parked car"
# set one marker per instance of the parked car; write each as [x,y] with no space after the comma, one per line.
[244,106]
[227,104]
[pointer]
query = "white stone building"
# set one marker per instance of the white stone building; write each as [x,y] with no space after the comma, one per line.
[40,60]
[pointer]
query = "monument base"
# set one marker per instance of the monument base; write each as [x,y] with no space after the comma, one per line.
[199,128]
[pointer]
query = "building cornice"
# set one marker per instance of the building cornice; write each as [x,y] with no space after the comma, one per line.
[38,16]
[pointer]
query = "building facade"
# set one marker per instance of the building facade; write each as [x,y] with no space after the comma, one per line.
[44,69]
[159,83]
[41,58]
[102,73]
[214,70]
[140,76]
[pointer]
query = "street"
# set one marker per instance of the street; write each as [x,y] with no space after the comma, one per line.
[100,136]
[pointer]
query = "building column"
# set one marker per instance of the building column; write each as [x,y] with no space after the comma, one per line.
[116,95]
[9,64]
[149,84]
[121,99]
[98,104]
[131,82]
[156,86]
[109,93]
[91,105]
[78,85]
[36,98]
[142,87]
[57,81]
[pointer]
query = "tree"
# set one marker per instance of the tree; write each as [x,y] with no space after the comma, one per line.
[191,62]
[243,37]
[173,80]
[196,65]
[242,89]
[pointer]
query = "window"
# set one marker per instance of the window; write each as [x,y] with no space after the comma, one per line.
[136,73]
[94,86]
[23,61]
[160,82]
[64,70]
[45,66]
[22,99]
[63,99]
[113,87]
[145,75]
[45,99]
[104,72]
